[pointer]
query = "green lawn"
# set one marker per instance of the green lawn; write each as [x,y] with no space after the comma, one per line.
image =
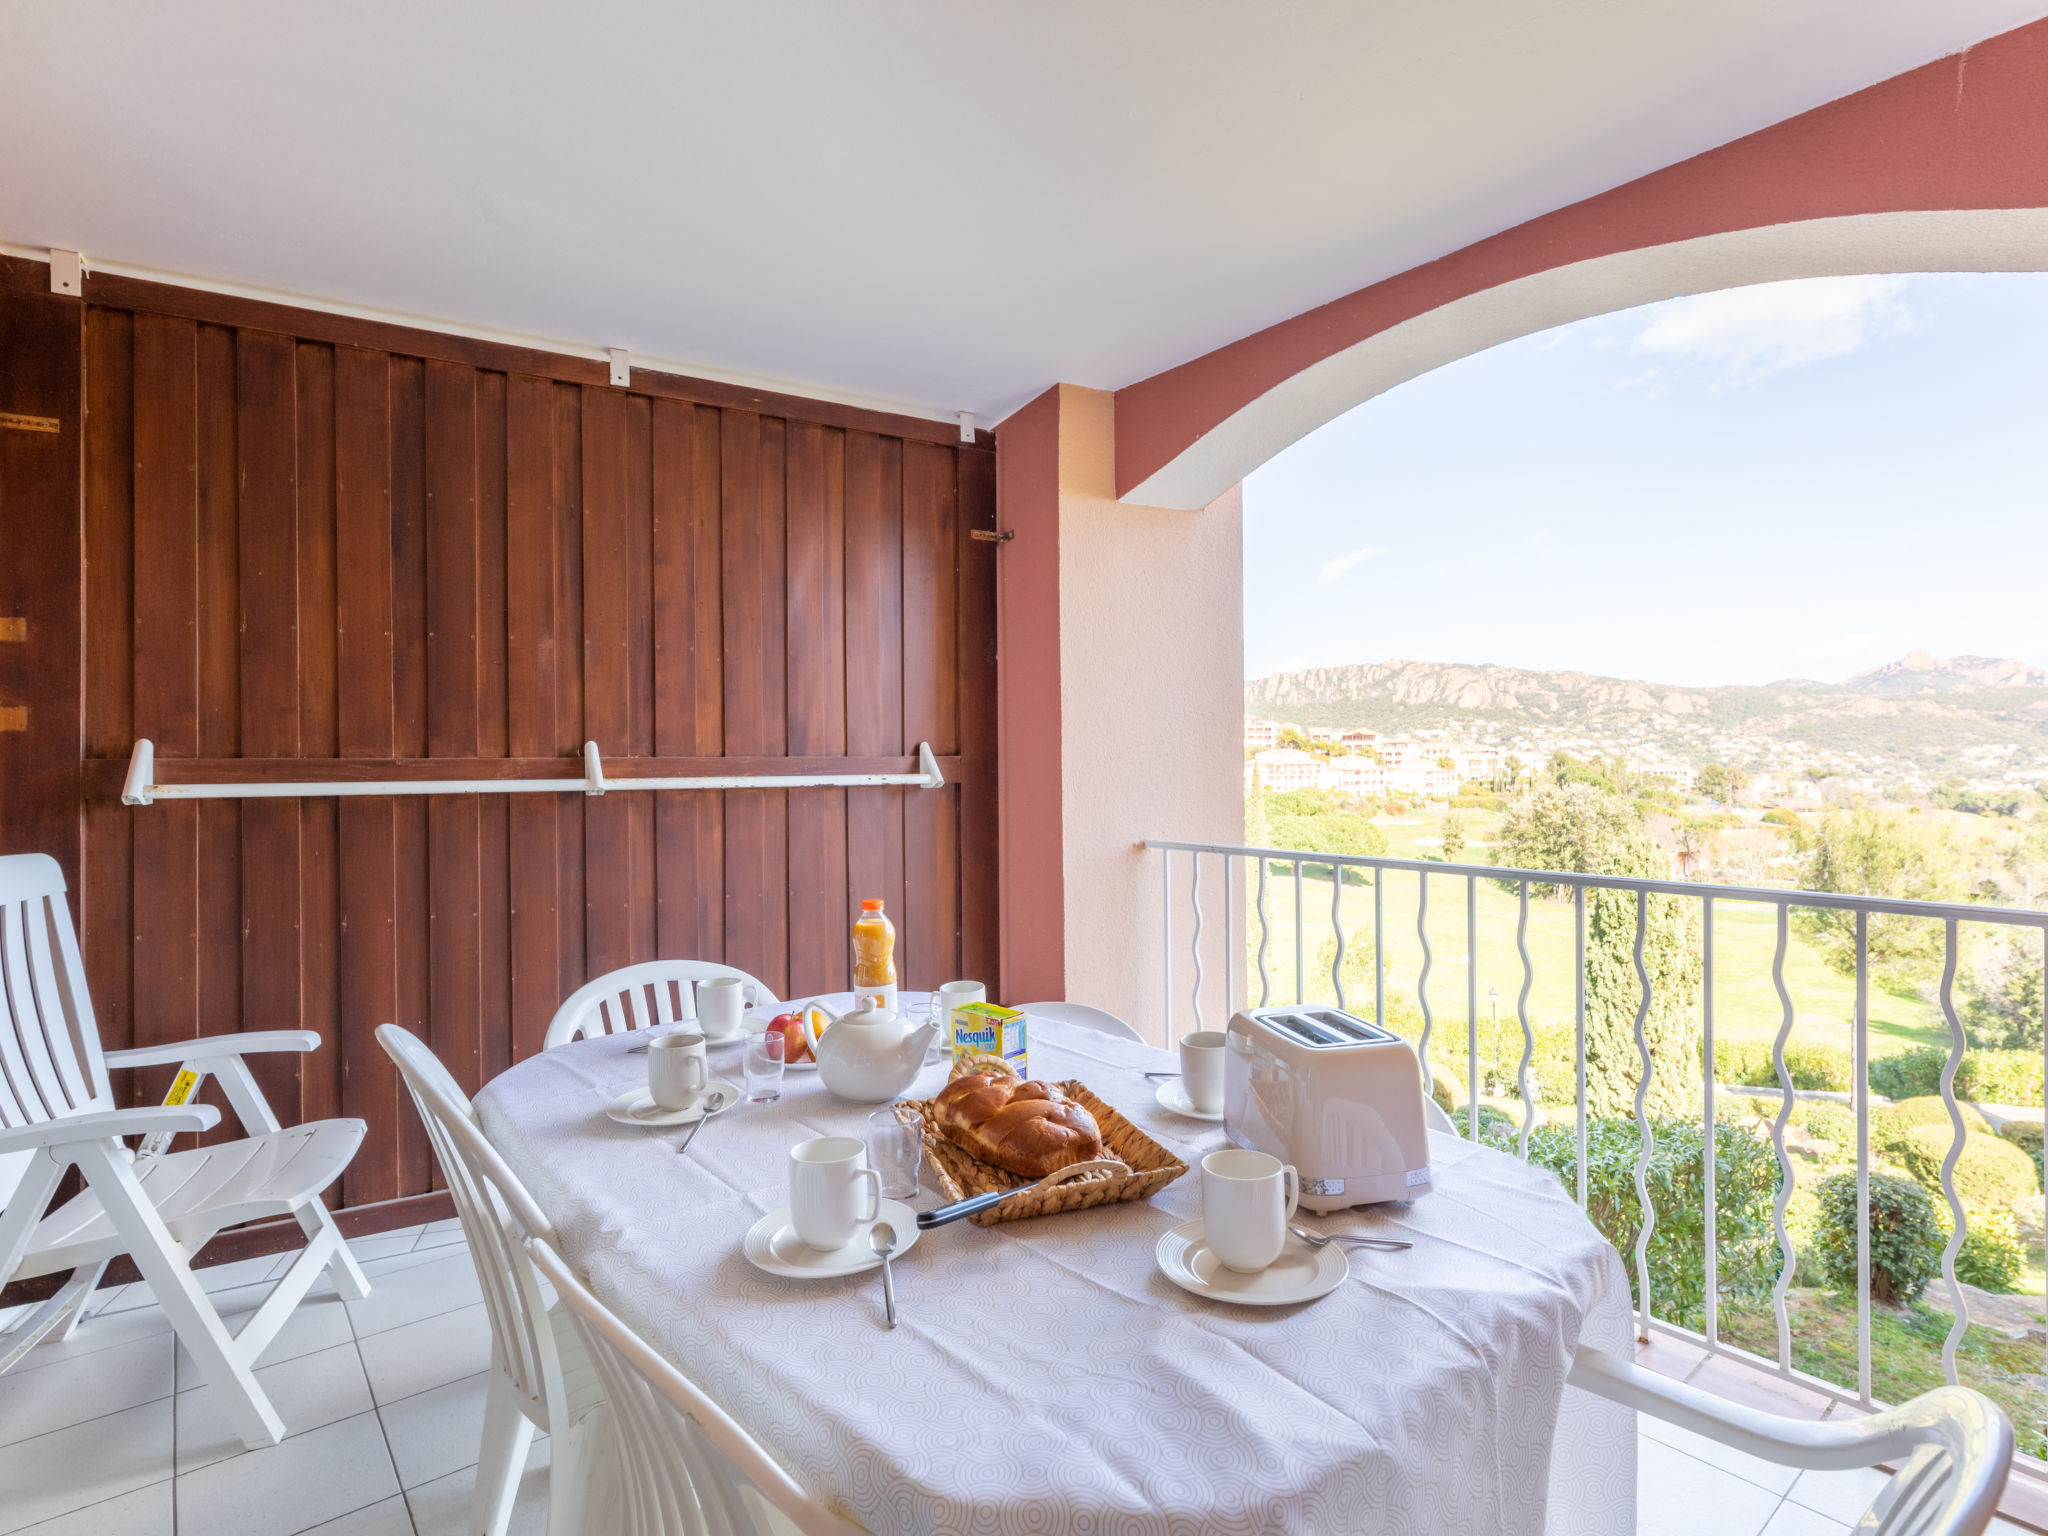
[1746,1005]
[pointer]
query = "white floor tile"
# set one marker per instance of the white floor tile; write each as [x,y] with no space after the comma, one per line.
[429,1353]
[384,1245]
[87,1464]
[439,1234]
[305,1481]
[145,1512]
[441,1508]
[1797,1520]
[307,1392]
[53,1394]
[316,1323]
[426,1286]
[229,1277]
[437,1432]
[102,1330]
[1765,1474]
[1841,1496]
[1679,1496]
[390,1518]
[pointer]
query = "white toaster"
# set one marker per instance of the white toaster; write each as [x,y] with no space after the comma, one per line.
[1336,1096]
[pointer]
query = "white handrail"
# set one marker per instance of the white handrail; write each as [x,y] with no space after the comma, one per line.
[141,787]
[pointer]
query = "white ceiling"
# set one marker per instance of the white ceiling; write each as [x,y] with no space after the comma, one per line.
[949,203]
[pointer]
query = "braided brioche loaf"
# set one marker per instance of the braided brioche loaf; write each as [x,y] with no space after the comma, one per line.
[1028,1128]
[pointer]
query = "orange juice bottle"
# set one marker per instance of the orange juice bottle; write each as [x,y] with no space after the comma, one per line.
[874,956]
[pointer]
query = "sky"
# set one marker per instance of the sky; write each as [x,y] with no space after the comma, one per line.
[1800,479]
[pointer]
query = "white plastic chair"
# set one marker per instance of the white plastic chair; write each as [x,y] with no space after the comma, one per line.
[639,997]
[57,1112]
[1100,1020]
[1954,1445]
[684,1464]
[540,1377]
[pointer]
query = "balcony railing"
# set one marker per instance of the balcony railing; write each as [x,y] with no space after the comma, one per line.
[1246,875]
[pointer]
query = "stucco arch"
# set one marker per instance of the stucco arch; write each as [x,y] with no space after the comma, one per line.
[1985,240]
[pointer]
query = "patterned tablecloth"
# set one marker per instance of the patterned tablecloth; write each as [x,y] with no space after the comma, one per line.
[1047,1378]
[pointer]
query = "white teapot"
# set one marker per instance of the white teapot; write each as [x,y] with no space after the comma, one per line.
[870,1055]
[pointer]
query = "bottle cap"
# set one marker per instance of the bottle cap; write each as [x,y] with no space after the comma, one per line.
[871,905]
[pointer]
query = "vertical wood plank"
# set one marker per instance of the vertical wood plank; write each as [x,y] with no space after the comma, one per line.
[929,953]
[319,828]
[367,950]
[819,954]
[266,426]
[607,676]
[570,732]
[493,727]
[408,417]
[166,673]
[220,677]
[637,484]
[454,898]
[874,665]
[106,905]
[688,676]
[532,647]
[979,874]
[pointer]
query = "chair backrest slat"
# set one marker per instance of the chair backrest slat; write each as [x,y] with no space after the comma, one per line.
[51,1065]
[497,1215]
[640,996]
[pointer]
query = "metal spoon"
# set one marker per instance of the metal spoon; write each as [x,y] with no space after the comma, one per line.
[1324,1239]
[710,1108]
[882,1238]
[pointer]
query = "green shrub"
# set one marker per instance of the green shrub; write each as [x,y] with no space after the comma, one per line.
[1909,1074]
[1745,1189]
[1906,1239]
[1829,1068]
[1990,1174]
[1991,1257]
[1497,1128]
[2026,1135]
[1830,1122]
[1996,1077]
[1889,1123]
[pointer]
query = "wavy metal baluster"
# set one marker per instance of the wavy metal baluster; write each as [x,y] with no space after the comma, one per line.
[1645,1142]
[1229,937]
[1712,1252]
[1300,965]
[1788,1261]
[1579,1030]
[1379,948]
[1862,1044]
[1948,1164]
[1528,1034]
[1265,936]
[1166,940]
[1472,999]
[1422,980]
[1337,928]
[1195,896]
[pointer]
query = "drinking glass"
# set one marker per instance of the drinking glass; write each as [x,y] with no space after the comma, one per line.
[764,1067]
[896,1150]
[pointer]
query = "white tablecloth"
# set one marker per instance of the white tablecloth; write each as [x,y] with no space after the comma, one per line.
[1046,1378]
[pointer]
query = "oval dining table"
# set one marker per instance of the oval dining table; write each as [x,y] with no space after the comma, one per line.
[1047,1377]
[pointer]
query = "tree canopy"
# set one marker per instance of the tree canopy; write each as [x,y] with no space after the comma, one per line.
[1871,852]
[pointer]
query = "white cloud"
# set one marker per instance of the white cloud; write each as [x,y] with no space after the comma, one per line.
[1344,565]
[1747,334]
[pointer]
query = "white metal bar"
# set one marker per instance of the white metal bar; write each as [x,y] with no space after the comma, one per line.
[1229,938]
[1195,900]
[1472,1001]
[1787,1259]
[1422,981]
[1337,930]
[1645,1143]
[1861,1048]
[1300,955]
[1528,1034]
[1948,1164]
[1712,1255]
[1166,940]
[1265,938]
[140,787]
[1579,1030]
[1379,950]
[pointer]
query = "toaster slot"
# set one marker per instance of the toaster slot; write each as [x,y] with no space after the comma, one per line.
[1349,1029]
[1325,1027]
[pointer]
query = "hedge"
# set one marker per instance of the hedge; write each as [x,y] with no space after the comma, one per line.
[1889,1123]
[1990,1174]
[1748,1064]
[1994,1077]
[2026,1135]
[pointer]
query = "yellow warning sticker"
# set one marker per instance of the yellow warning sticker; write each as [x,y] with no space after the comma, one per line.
[182,1086]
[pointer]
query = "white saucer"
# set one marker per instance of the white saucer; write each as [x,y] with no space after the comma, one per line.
[1301,1273]
[772,1244]
[1173,1096]
[636,1106]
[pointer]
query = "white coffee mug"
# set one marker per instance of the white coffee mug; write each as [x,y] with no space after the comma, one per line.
[832,1190]
[1247,1198]
[1201,1069]
[677,1073]
[956,994]
[722,1003]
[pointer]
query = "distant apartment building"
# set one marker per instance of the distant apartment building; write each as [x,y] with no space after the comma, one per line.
[1322,734]
[1477,764]
[1357,774]
[1354,741]
[1259,735]
[1283,768]
[1423,781]
[1679,776]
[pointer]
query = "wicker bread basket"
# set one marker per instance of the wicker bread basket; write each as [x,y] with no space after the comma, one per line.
[1149,1167]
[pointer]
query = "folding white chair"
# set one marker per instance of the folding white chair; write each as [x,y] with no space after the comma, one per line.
[540,1377]
[639,997]
[159,1207]
[1953,1445]
[1100,1020]
[684,1464]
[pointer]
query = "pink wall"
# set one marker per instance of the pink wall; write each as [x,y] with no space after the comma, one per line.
[1028,702]
[1966,132]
